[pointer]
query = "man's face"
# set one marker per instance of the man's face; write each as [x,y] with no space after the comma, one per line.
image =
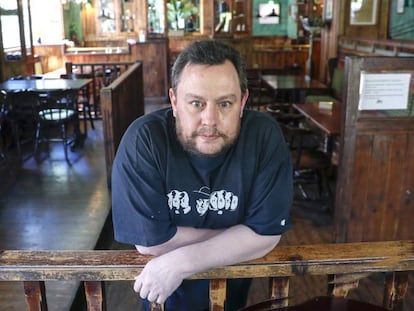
[208,107]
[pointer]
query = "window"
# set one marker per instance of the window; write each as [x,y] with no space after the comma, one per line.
[46,28]
[10,20]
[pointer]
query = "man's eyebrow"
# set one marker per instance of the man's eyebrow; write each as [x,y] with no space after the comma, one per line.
[191,96]
[231,97]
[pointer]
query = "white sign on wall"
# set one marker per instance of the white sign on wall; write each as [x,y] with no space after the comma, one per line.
[384,91]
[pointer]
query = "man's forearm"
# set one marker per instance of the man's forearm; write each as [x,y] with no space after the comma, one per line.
[163,274]
[233,245]
[184,236]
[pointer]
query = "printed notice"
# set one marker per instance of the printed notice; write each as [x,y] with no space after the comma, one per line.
[384,91]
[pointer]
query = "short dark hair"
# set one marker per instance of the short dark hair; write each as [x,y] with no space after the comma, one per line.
[209,52]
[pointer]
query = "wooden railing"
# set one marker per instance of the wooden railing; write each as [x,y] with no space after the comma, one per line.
[102,74]
[375,47]
[122,102]
[344,263]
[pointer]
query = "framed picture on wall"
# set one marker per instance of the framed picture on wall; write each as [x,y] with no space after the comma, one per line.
[269,13]
[328,10]
[400,6]
[363,12]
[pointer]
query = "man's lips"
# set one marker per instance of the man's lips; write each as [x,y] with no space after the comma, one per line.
[209,137]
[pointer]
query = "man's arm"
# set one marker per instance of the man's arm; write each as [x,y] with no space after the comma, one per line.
[184,236]
[162,275]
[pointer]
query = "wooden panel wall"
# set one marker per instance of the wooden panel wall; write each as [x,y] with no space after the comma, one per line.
[51,56]
[375,188]
[121,103]
[152,53]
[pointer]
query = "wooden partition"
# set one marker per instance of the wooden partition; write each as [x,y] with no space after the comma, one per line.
[375,187]
[345,263]
[122,102]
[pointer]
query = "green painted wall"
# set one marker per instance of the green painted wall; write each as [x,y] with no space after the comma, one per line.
[286,27]
[72,20]
[402,25]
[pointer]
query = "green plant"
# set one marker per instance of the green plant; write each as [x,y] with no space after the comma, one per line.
[180,10]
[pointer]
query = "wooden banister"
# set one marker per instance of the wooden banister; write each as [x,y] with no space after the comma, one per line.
[346,263]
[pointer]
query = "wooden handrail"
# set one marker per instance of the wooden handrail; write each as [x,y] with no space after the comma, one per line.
[368,46]
[336,260]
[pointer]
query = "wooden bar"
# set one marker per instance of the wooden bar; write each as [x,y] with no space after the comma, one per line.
[107,265]
[346,262]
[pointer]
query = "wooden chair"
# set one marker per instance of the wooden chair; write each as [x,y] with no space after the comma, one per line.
[310,163]
[259,95]
[57,110]
[3,122]
[21,117]
[83,99]
[335,86]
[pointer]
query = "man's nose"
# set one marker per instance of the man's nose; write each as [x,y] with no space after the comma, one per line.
[210,115]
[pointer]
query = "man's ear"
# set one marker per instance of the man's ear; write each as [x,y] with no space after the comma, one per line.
[173,100]
[244,101]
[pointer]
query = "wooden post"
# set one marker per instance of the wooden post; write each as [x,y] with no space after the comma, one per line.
[95,296]
[35,294]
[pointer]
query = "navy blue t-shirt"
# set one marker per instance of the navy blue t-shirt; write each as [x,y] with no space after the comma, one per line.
[157,185]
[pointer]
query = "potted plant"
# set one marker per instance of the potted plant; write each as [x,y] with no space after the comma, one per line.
[180,16]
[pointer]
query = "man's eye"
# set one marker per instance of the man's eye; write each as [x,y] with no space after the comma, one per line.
[196,104]
[225,104]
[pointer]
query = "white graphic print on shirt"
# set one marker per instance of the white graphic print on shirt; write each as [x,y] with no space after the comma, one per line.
[218,201]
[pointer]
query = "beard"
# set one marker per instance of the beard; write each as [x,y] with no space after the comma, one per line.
[189,142]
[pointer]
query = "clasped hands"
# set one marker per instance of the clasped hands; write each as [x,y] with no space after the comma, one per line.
[158,280]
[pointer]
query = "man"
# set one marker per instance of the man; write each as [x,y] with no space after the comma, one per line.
[202,184]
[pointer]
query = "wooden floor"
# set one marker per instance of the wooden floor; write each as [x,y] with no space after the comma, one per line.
[54,206]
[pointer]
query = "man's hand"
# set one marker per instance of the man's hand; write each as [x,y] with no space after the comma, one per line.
[157,281]
[162,275]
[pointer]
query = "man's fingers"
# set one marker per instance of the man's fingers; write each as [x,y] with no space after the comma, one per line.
[161,299]
[144,292]
[152,297]
[137,285]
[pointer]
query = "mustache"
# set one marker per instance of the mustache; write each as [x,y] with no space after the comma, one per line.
[208,131]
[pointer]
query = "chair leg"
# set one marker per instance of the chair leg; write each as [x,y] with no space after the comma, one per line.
[36,143]
[65,142]
[90,117]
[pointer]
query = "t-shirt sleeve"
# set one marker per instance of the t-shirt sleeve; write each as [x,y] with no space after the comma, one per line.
[139,205]
[269,206]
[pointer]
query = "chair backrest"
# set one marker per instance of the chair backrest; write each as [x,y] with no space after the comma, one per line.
[337,83]
[75,76]
[20,107]
[57,106]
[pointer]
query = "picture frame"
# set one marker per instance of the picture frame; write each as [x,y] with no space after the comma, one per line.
[328,10]
[363,12]
[269,13]
[400,6]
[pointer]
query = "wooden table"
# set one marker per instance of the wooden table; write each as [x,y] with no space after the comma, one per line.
[44,85]
[294,87]
[49,85]
[327,120]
